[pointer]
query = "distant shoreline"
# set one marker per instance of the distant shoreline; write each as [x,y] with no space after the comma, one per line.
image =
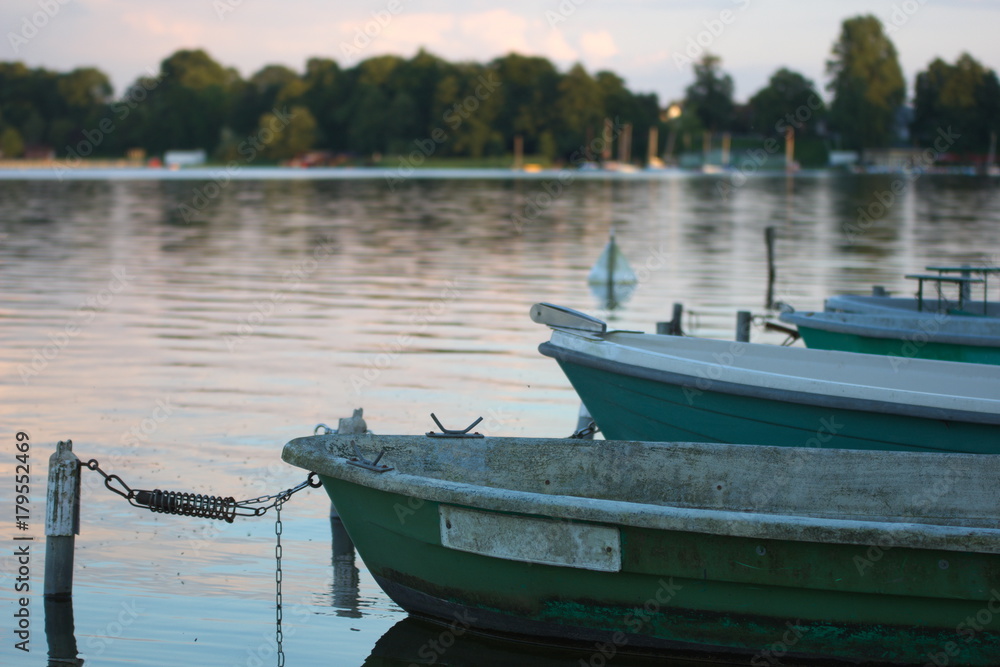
[123,169]
[53,170]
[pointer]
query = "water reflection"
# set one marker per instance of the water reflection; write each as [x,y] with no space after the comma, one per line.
[345,588]
[283,302]
[416,641]
[59,632]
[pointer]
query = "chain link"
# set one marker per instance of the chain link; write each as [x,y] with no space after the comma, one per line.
[190,504]
[279,636]
[588,430]
[216,508]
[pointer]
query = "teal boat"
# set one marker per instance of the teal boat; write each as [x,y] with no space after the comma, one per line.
[677,389]
[942,336]
[908,307]
[772,555]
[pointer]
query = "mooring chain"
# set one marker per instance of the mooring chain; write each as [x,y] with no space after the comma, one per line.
[194,504]
[587,431]
[278,635]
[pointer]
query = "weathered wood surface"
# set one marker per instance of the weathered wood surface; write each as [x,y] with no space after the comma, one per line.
[62,520]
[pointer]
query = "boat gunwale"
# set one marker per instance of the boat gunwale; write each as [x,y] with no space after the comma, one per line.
[589,360]
[308,453]
[901,305]
[829,321]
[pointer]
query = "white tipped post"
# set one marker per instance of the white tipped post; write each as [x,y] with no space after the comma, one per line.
[62,520]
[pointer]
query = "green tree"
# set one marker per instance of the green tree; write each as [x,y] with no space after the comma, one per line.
[288,133]
[710,97]
[867,84]
[788,100]
[641,110]
[256,96]
[190,105]
[527,97]
[84,88]
[964,96]
[323,93]
[471,122]
[11,144]
[579,109]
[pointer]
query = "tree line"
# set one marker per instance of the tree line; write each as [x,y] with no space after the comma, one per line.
[386,104]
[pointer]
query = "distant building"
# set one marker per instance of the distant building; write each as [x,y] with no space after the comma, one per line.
[39,152]
[893,160]
[843,158]
[184,158]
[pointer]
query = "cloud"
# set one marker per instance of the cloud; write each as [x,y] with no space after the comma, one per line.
[497,31]
[598,45]
[151,24]
[402,34]
[557,48]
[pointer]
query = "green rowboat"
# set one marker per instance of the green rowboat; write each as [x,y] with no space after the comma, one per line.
[678,389]
[938,336]
[768,554]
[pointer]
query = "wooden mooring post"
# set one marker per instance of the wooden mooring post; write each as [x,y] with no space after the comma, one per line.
[62,521]
[673,327]
[743,320]
[769,234]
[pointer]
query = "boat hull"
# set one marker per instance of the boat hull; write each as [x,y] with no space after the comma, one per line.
[937,336]
[636,402]
[686,592]
[916,347]
[890,305]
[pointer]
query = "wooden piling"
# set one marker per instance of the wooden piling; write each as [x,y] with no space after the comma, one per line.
[62,521]
[769,234]
[743,319]
[673,327]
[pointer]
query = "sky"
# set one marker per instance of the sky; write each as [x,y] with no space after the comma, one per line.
[650,43]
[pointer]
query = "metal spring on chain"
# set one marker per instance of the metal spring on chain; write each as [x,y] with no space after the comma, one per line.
[188,504]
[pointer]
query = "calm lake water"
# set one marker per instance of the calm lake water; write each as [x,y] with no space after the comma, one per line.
[183,354]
